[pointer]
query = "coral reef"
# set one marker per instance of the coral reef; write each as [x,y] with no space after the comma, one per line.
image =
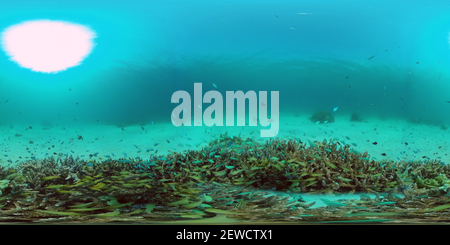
[322,117]
[229,176]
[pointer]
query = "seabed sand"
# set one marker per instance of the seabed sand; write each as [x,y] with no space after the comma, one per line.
[104,141]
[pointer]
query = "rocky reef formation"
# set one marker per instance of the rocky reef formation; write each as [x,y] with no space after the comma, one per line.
[322,117]
[356,117]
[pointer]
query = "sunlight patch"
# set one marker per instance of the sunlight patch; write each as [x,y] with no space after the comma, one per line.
[47,46]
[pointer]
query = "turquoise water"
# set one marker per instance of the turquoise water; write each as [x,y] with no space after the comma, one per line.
[386,61]
[147,50]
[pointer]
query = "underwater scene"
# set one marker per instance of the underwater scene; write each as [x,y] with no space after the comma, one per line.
[225,112]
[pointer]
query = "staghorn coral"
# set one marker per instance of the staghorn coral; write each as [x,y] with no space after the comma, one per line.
[228,174]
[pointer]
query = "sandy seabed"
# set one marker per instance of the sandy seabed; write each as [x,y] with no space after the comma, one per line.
[397,139]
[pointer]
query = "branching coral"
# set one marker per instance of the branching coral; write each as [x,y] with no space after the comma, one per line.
[210,177]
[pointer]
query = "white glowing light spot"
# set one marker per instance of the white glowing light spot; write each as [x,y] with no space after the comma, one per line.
[47,46]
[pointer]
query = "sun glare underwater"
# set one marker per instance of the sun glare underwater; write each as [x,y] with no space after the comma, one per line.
[154,111]
[47,46]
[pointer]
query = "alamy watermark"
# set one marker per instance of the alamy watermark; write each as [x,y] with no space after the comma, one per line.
[217,109]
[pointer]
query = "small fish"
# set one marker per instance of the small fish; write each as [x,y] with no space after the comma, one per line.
[7,100]
[214,85]
[122,129]
[406,143]
[335,109]
[51,177]
[240,204]
[347,77]
[156,144]
[153,123]
[325,121]
[168,141]
[383,154]
[333,204]
[375,143]
[142,128]
[384,203]
[371,57]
